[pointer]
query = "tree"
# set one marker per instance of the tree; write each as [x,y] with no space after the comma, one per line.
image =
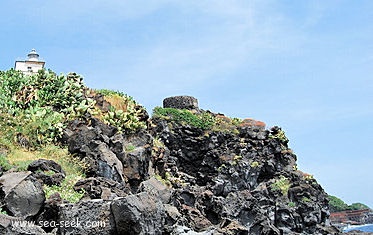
[336,204]
[357,206]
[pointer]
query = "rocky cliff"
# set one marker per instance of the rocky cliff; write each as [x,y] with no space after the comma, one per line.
[189,171]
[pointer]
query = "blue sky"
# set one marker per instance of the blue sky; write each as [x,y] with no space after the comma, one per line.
[303,65]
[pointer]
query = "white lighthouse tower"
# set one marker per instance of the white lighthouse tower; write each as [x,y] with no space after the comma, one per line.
[30,66]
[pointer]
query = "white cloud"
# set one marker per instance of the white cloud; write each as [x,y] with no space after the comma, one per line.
[236,37]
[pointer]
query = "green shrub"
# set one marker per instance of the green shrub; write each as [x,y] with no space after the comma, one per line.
[278,134]
[157,143]
[291,204]
[130,148]
[183,116]
[44,89]
[124,113]
[3,212]
[222,167]
[358,206]
[107,92]
[124,120]
[306,199]
[237,158]
[4,163]
[336,204]
[37,107]
[204,120]
[282,184]
[226,124]
[236,121]
[254,164]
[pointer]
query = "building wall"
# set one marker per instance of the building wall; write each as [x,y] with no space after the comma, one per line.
[29,67]
[359,216]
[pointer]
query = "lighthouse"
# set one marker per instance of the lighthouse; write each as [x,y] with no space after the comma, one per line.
[30,66]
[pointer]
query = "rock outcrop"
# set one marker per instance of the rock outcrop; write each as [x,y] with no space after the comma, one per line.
[181,102]
[86,217]
[21,194]
[47,172]
[176,178]
[245,182]
[138,214]
[11,225]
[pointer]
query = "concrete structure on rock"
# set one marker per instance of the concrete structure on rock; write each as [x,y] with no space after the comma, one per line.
[181,102]
[30,66]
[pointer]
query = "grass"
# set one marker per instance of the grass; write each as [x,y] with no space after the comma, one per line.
[204,121]
[130,148]
[4,163]
[34,111]
[20,158]
[66,190]
[291,204]
[14,156]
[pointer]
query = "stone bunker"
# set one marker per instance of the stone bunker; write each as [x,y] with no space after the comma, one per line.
[181,102]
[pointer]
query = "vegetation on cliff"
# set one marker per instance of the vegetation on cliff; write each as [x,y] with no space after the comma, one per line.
[35,110]
[336,204]
[204,120]
[181,169]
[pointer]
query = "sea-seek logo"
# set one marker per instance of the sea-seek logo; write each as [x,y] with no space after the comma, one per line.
[60,224]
